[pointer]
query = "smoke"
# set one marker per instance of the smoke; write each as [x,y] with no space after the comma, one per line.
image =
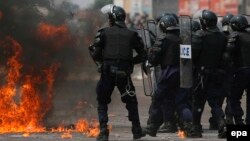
[83,4]
[52,32]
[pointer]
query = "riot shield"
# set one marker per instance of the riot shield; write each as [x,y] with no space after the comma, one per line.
[152,29]
[186,80]
[146,67]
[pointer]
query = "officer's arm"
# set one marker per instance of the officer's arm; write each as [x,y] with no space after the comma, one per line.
[139,48]
[231,47]
[96,47]
[196,43]
[154,53]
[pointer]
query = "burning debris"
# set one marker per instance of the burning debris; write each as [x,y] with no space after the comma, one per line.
[33,50]
[181,134]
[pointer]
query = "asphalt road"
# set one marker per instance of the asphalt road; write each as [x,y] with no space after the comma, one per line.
[121,127]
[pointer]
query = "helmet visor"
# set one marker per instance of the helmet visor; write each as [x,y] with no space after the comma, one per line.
[107,9]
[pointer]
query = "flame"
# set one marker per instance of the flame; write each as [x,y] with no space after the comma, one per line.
[19,95]
[66,135]
[26,135]
[26,96]
[181,134]
[90,129]
[49,34]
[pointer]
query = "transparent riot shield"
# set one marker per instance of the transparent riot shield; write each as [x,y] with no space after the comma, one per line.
[146,67]
[151,26]
[186,80]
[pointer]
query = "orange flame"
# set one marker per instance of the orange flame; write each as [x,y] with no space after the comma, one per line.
[181,134]
[49,34]
[26,135]
[66,135]
[23,104]
[19,95]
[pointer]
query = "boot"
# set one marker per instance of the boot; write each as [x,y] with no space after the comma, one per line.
[104,135]
[138,132]
[229,120]
[168,127]
[213,124]
[195,131]
[187,127]
[151,129]
[222,131]
[238,121]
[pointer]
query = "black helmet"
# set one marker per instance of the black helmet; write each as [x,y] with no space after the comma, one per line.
[208,19]
[117,14]
[195,26]
[239,22]
[168,22]
[158,18]
[226,19]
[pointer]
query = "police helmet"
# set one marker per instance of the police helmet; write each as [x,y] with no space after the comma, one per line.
[226,19]
[117,14]
[208,19]
[239,22]
[158,18]
[195,26]
[168,22]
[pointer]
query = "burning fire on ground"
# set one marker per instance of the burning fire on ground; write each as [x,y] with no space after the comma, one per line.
[26,96]
[181,134]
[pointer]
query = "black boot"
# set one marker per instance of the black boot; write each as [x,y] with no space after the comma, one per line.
[168,127]
[213,124]
[187,127]
[229,120]
[222,130]
[238,121]
[151,129]
[138,132]
[195,131]
[104,135]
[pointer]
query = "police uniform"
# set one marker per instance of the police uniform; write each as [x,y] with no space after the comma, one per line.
[166,53]
[208,43]
[113,47]
[238,48]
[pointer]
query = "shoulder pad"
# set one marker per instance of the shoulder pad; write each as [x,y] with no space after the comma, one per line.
[132,29]
[233,37]
[199,33]
[99,32]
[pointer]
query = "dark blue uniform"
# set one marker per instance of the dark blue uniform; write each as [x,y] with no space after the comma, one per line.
[113,48]
[168,93]
[207,58]
[238,48]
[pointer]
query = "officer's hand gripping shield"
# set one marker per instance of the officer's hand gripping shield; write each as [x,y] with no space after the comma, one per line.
[186,80]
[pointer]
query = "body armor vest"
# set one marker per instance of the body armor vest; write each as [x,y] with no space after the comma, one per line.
[213,45]
[243,50]
[171,50]
[119,43]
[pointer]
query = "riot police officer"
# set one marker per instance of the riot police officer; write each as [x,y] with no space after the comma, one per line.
[113,47]
[165,52]
[238,52]
[207,43]
[227,81]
